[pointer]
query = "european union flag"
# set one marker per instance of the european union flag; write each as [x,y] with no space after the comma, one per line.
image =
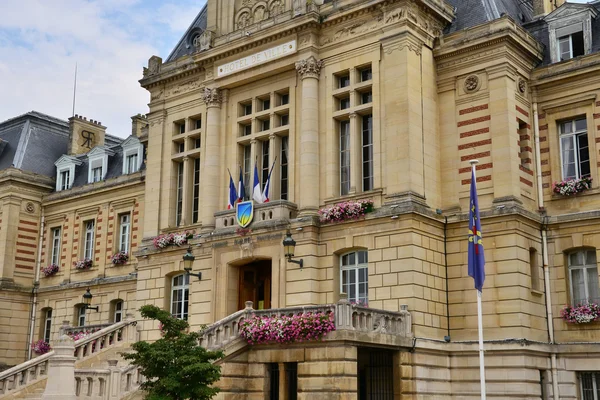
[476,257]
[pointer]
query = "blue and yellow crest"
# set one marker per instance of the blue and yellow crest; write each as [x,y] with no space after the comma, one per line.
[244,212]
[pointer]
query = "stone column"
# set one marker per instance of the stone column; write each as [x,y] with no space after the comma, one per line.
[212,160]
[61,371]
[309,71]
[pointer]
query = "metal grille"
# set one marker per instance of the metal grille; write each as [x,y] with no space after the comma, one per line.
[376,375]
[291,372]
[274,381]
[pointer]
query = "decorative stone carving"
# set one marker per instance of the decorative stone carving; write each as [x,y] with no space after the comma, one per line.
[212,97]
[154,64]
[522,85]
[299,7]
[309,68]
[244,20]
[29,207]
[260,14]
[276,7]
[203,42]
[471,84]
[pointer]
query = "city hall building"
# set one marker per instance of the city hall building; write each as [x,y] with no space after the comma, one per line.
[326,108]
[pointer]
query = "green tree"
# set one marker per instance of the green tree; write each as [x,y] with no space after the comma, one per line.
[175,366]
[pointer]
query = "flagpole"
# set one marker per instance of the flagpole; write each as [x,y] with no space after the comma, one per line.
[479,313]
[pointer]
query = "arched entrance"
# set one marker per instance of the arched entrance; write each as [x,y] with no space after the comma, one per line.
[255,284]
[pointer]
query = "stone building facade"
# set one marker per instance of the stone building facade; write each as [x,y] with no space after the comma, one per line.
[388,101]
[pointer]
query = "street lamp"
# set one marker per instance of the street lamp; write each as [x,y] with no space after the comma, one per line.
[87,300]
[188,261]
[289,246]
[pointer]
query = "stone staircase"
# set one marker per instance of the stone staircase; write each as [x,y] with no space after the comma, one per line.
[91,364]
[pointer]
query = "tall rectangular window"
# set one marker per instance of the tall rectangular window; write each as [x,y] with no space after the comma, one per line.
[367,152]
[55,256]
[47,325]
[283,176]
[590,385]
[88,246]
[344,157]
[180,292]
[132,163]
[81,316]
[196,199]
[574,149]
[247,169]
[64,179]
[124,229]
[264,164]
[179,209]
[355,277]
[583,276]
[118,311]
[96,174]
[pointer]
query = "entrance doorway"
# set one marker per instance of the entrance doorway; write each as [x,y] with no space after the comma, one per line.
[375,374]
[255,285]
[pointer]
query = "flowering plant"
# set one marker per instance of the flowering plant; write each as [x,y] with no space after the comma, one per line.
[168,239]
[572,186]
[182,238]
[581,314]
[286,329]
[86,263]
[361,303]
[82,334]
[41,347]
[345,211]
[50,270]
[120,257]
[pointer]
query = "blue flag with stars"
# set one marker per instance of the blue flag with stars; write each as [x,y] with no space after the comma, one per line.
[476,257]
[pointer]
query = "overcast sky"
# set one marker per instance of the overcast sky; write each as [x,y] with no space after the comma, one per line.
[111,40]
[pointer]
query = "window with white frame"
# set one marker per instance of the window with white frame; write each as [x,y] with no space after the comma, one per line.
[124,229]
[88,245]
[180,288]
[179,209]
[344,157]
[81,315]
[196,192]
[64,179]
[96,174]
[98,163]
[55,236]
[118,317]
[583,276]
[47,325]
[589,385]
[354,276]
[131,163]
[283,175]
[132,155]
[65,171]
[574,149]
[367,152]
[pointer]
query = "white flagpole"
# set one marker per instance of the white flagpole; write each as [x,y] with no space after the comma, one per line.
[479,317]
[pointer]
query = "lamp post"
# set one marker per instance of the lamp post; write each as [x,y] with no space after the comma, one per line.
[87,300]
[289,246]
[188,262]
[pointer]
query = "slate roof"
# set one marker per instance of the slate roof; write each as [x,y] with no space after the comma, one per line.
[185,45]
[470,13]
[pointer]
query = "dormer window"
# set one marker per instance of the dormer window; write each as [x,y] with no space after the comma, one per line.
[132,155]
[64,180]
[65,171]
[96,174]
[570,31]
[571,46]
[131,163]
[98,163]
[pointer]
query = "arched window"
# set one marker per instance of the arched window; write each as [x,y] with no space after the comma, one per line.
[583,276]
[354,277]
[46,324]
[180,289]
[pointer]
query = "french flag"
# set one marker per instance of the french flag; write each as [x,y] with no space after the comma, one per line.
[265,194]
[256,193]
[232,198]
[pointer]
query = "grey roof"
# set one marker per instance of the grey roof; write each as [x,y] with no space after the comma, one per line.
[185,45]
[470,13]
[34,141]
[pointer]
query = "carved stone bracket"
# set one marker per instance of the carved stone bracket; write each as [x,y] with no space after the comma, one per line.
[212,97]
[203,42]
[309,68]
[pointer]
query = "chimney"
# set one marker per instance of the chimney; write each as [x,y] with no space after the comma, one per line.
[84,134]
[545,7]
[138,124]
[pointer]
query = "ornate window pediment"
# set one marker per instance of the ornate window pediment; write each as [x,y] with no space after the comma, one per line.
[65,171]
[570,31]
[98,163]
[133,152]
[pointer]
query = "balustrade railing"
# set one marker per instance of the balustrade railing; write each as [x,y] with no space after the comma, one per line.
[108,383]
[348,316]
[29,372]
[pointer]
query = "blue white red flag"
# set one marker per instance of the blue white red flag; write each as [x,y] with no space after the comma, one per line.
[231,199]
[256,193]
[265,194]
[476,257]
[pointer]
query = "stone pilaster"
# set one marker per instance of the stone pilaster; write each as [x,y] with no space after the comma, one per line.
[309,71]
[212,158]
[153,195]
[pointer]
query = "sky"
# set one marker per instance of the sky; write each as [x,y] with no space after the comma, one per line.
[110,40]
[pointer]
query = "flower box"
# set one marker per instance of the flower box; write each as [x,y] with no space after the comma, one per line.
[581,314]
[50,270]
[41,347]
[570,187]
[86,263]
[345,211]
[120,257]
[170,239]
[287,329]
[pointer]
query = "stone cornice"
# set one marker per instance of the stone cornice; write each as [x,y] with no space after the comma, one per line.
[567,69]
[44,183]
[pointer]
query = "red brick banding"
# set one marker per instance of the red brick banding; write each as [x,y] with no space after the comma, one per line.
[543,138]
[475,132]
[28,230]
[526,170]
[546,185]
[25,259]
[26,245]
[546,173]
[544,127]
[477,168]
[542,116]
[544,162]
[596,115]
[524,137]
[474,121]
[473,109]
[479,179]
[525,181]
[546,150]
[474,156]
[26,237]
[519,109]
[20,266]
[475,144]
[29,253]
[21,221]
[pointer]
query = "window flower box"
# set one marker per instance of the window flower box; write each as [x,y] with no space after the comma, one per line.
[86,263]
[50,270]
[581,314]
[170,239]
[345,211]
[120,257]
[41,347]
[570,187]
[287,329]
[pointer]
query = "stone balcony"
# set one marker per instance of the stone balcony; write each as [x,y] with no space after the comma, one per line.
[273,212]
